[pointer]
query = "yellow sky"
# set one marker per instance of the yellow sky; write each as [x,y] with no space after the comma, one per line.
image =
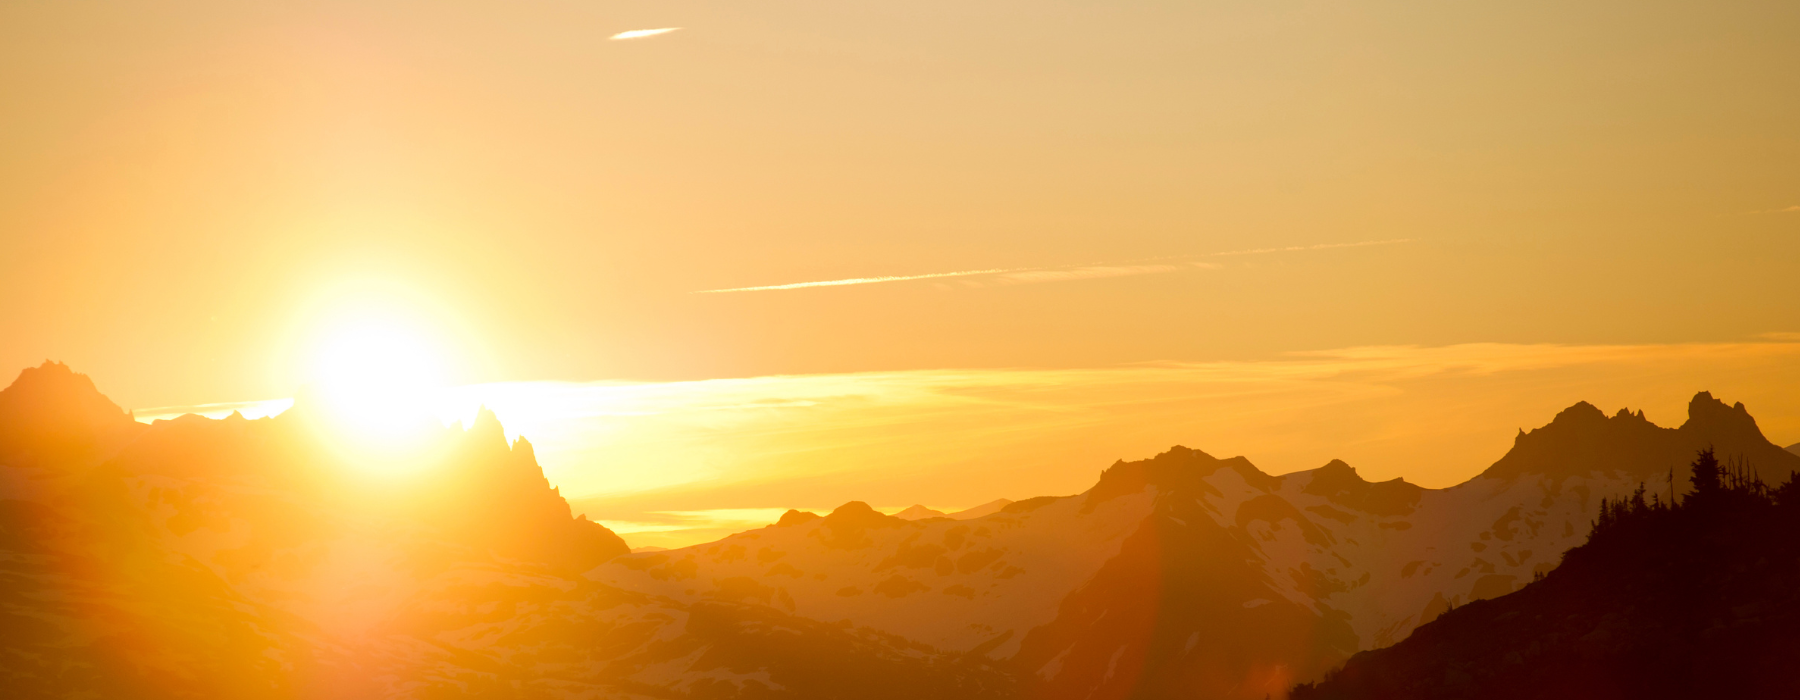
[191,190]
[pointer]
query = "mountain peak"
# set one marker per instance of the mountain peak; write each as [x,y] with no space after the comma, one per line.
[1582,439]
[53,410]
[796,517]
[919,512]
[1706,410]
[984,509]
[1179,469]
[53,387]
[1338,469]
[857,513]
[1340,483]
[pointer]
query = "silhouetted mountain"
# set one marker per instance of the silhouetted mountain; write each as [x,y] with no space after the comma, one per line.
[918,512]
[1690,602]
[50,413]
[1583,440]
[989,508]
[1794,448]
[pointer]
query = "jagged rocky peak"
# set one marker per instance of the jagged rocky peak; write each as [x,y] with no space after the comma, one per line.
[487,423]
[1710,415]
[1583,440]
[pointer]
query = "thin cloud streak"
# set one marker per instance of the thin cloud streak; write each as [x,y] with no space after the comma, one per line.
[642,33]
[1034,275]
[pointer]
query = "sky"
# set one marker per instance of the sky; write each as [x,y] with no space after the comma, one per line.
[194,194]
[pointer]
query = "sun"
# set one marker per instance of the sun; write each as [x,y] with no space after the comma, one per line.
[377,377]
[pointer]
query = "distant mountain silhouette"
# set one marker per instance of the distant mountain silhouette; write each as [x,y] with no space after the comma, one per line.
[240,558]
[989,508]
[50,413]
[918,512]
[1689,602]
[1582,440]
[1794,448]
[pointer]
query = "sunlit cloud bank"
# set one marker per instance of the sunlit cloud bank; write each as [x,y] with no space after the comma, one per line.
[675,463]
[1031,275]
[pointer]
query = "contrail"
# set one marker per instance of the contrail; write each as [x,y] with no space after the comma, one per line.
[1321,246]
[859,280]
[1028,275]
[641,33]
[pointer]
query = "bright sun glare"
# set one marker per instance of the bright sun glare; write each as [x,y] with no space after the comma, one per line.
[377,377]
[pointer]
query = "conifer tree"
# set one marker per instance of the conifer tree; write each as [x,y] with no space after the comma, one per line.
[1706,473]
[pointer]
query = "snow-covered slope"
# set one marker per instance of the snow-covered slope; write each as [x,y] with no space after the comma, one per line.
[959,585]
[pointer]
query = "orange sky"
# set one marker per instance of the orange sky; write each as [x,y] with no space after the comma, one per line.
[190,190]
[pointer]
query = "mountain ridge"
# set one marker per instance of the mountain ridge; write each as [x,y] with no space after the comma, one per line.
[472,577]
[1582,439]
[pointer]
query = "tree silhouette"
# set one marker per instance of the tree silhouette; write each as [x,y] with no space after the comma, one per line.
[1706,474]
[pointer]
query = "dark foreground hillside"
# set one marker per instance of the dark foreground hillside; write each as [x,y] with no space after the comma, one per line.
[1699,600]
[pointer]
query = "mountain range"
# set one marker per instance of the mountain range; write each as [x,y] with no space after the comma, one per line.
[237,558]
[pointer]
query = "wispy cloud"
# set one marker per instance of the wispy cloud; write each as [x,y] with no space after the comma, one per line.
[1033,275]
[642,33]
[1782,210]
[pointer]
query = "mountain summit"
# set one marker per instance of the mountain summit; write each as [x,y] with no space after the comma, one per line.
[52,413]
[1583,440]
